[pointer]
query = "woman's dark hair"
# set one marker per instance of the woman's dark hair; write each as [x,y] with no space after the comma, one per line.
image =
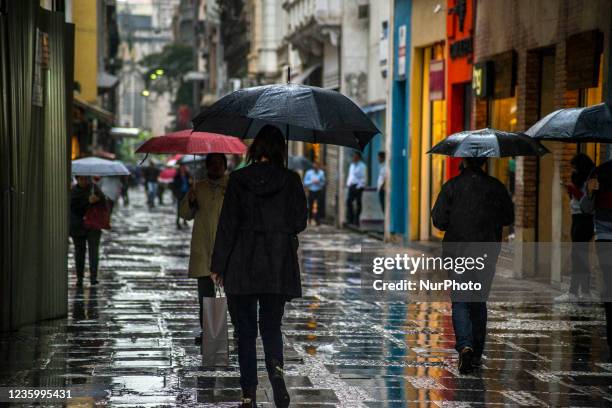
[269,143]
[583,166]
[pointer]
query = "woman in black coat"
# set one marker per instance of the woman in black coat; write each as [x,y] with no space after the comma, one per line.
[255,256]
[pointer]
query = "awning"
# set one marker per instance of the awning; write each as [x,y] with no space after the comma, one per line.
[303,76]
[124,132]
[94,110]
[106,80]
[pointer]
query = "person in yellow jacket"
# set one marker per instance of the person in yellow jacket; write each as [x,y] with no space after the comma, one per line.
[203,204]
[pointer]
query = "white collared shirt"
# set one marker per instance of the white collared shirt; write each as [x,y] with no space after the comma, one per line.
[357,175]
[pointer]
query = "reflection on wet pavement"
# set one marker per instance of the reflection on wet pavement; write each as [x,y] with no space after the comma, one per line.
[131,339]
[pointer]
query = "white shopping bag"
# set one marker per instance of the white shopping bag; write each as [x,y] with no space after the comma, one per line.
[215,346]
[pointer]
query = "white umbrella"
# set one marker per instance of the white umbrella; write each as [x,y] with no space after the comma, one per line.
[94,166]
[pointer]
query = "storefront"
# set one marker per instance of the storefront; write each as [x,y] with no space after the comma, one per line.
[459,56]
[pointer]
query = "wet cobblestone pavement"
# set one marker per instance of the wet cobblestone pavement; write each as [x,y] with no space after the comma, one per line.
[131,339]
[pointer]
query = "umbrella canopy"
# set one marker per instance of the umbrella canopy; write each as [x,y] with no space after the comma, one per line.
[303,113]
[94,166]
[298,163]
[172,161]
[590,124]
[488,143]
[188,142]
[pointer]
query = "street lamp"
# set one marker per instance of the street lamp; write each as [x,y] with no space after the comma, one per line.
[153,76]
[159,72]
[145,92]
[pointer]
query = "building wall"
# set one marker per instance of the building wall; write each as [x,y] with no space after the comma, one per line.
[527,27]
[428,28]
[85,18]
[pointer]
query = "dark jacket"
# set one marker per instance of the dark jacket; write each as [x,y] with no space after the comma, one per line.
[256,243]
[79,203]
[473,207]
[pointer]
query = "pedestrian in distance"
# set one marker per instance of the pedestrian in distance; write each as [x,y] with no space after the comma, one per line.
[381,183]
[355,182]
[151,174]
[598,201]
[83,195]
[581,231]
[472,207]
[255,256]
[203,205]
[314,181]
[180,186]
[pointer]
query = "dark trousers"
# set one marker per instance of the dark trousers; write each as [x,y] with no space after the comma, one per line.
[89,241]
[179,198]
[381,199]
[582,232]
[244,311]
[470,324]
[315,196]
[354,196]
[604,255]
[206,288]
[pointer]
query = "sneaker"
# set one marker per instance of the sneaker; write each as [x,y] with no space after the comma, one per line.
[566,298]
[477,363]
[465,360]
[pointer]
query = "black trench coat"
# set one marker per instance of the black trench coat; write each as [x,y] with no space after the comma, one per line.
[256,244]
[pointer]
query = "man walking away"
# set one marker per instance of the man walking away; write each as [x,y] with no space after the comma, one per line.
[382,178]
[472,208]
[598,201]
[356,183]
[151,173]
[314,181]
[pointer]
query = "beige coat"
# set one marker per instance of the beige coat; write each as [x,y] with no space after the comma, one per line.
[209,198]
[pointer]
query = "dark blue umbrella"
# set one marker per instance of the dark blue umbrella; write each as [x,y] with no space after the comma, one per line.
[488,143]
[575,125]
[302,113]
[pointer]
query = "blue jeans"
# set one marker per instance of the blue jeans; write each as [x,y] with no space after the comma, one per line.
[470,324]
[151,187]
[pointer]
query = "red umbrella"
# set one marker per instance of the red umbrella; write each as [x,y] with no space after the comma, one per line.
[187,142]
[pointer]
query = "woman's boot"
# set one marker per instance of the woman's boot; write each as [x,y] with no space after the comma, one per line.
[277,379]
[248,398]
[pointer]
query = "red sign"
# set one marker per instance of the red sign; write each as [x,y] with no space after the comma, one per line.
[436,80]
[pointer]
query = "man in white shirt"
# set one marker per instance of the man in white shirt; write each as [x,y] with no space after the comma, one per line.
[314,181]
[382,176]
[356,183]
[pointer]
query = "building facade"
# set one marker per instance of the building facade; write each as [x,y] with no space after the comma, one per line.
[543,56]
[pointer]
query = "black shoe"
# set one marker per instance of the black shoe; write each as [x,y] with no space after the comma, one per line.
[476,363]
[198,340]
[277,379]
[80,283]
[93,282]
[465,360]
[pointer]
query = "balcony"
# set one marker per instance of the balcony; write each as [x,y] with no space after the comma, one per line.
[310,20]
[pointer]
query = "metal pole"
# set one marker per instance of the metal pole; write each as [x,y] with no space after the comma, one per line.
[609,85]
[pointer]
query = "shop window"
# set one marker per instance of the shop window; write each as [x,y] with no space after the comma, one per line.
[590,97]
[502,116]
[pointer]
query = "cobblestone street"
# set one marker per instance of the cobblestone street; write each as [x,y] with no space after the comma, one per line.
[131,339]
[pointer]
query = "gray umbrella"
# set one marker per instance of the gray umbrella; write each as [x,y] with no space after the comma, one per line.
[488,143]
[590,124]
[94,166]
[303,113]
[299,163]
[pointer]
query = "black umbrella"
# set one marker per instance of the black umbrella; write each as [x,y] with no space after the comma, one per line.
[303,113]
[488,143]
[591,124]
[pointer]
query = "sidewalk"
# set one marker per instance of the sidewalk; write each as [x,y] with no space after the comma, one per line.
[132,337]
